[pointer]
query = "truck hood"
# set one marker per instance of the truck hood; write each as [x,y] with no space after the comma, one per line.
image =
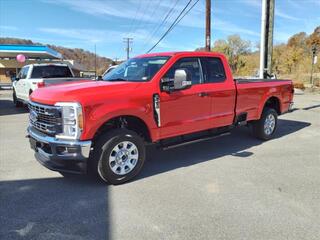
[81,92]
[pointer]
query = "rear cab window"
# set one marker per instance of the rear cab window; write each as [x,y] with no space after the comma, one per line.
[213,70]
[51,71]
[23,72]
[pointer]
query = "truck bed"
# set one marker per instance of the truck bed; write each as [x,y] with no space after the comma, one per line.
[256,80]
[251,93]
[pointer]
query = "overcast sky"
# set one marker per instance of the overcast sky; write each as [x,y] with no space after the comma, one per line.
[84,23]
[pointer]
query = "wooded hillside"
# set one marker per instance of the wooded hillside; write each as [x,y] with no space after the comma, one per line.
[85,58]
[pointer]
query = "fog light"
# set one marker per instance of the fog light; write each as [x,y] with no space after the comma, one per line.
[72,150]
[61,150]
[66,150]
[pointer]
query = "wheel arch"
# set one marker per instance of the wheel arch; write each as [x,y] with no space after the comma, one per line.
[272,102]
[129,122]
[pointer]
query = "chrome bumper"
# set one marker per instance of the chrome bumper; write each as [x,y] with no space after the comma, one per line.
[59,155]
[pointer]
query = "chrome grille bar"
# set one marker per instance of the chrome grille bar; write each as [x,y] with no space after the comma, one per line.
[45,118]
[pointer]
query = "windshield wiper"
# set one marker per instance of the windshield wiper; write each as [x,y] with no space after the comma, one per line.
[54,76]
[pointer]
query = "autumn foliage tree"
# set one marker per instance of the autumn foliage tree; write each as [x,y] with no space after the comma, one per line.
[291,59]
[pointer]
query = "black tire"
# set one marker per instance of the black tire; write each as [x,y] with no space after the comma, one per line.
[258,126]
[104,147]
[16,102]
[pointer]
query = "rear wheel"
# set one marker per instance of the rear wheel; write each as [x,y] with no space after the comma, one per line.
[118,156]
[265,127]
[16,102]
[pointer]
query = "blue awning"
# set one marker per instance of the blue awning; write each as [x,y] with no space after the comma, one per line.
[30,51]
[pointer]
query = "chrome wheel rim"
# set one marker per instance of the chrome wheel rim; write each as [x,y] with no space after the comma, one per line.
[269,124]
[123,158]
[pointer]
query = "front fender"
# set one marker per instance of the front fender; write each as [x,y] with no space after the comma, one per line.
[97,116]
[14,83]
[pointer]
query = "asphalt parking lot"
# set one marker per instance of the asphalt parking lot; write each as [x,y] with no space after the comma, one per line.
[233,187]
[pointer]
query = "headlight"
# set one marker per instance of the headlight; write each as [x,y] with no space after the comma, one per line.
[72,120]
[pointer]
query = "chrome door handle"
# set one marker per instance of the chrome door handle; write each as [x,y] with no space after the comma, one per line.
[203,94]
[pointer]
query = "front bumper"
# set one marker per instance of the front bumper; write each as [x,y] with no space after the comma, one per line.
[291,105]
[59,155]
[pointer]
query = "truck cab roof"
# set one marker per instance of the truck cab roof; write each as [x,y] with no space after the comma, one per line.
[192,53]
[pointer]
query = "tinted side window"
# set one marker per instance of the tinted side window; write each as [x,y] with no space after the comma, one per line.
[23,72]
[20,73]
[213,70]
[192,67]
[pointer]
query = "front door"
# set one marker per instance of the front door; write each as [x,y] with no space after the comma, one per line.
[20,85]
[188,110]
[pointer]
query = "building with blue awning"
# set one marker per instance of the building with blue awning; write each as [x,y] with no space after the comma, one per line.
[9,66]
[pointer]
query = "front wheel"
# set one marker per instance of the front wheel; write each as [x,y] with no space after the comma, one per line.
[265,127]
[16,102]
[118,156]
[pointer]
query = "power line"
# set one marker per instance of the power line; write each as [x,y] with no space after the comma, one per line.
[171,26]
[153,15]
[175,22]
[154,10]
[142,17]
[135,17]
[162,22]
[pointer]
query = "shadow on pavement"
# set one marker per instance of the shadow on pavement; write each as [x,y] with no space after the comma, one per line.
[7,108]
[311,107]
[54,208]
[236,144]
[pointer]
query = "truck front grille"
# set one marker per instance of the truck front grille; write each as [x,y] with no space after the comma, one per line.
[45,118]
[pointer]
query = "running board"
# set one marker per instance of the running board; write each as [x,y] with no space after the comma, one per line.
[183,142]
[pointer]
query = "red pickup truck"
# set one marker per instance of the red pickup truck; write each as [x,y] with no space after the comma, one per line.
[169,99]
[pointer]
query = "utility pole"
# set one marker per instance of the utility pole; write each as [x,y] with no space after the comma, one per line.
[314,61]
[269,37]
[95,62]
[128,41]
[266,41]
[115,61]
[208,25]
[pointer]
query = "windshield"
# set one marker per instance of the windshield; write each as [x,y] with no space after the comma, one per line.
[52,71]
[136,69]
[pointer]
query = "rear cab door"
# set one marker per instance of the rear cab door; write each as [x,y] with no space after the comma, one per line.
[221,89]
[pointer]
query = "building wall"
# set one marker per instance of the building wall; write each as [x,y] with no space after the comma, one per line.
[5,76]
[76,72]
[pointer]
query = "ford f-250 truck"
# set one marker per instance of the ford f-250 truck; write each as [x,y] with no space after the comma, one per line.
[170,99]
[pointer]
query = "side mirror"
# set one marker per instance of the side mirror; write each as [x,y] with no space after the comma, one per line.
[181,80]
[15,79]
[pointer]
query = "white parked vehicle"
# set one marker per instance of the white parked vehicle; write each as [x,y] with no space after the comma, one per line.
[34,76]
[109,69]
